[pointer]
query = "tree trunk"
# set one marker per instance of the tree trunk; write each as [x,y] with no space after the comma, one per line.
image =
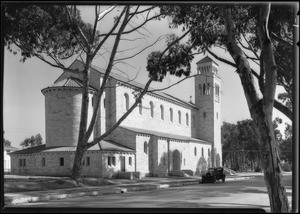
[270,161]
[82,138]
[261,110]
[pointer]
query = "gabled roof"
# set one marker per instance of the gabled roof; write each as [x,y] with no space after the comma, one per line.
[104,145]
[165,135]
[70,82]
[206,59]
[138,85]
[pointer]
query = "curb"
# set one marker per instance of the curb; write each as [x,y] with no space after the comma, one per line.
[11,199]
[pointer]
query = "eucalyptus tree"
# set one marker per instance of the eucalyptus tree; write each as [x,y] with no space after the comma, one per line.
[225,26]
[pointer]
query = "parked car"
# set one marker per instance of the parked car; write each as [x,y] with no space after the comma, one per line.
[214,174]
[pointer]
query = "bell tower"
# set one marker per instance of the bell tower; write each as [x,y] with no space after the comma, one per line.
[208,101]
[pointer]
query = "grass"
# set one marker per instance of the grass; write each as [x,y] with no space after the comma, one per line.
[14,183]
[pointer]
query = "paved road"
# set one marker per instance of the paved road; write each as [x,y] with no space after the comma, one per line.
[250,193]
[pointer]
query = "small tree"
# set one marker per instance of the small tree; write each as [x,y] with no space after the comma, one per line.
[32,141]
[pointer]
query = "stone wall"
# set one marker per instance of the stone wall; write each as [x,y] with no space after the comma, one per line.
[34,164]
[109,171]
[155,123]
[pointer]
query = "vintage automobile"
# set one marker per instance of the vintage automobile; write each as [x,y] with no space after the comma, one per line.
[214,174]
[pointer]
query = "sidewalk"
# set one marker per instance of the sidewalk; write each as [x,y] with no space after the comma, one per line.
[153,183]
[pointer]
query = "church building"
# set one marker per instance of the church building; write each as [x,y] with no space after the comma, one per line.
[162,134]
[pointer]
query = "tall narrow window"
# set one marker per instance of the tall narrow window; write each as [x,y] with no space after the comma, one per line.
[195,151]
[200,88]
[202,152]
[145,147]
[104,103]
[109,161]
[43,161]
[140,108]
[113,160]
[187,119]
[87,161]
[61,161]
[217,92]
[179,117]
[208,152]
[20,162]
[208,89]
[130,161]
[171,114]
[161,112]
[204,89]
[126,101]
[24,162]
[151,109]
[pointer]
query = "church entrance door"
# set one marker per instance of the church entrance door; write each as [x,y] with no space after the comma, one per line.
[122,163]
[176,160]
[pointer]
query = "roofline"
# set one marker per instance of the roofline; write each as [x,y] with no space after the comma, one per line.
[210,59]
[179,101]
[203,141]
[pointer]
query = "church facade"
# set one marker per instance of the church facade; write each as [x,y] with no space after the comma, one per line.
[162,134]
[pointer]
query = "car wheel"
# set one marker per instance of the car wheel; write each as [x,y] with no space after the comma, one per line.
[214,180]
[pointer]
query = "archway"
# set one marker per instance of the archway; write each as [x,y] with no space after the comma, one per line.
[176,160]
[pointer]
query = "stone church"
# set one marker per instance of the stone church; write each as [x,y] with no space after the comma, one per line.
[161,135]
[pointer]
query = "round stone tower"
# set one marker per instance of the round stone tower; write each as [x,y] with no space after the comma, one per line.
[62,111]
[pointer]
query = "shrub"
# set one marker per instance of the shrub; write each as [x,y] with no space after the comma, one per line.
[287,167]
[257,169]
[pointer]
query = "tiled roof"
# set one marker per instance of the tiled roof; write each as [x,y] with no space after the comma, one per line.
[139,85]
[165,135]
[105,145]
[206,59]
[70,82]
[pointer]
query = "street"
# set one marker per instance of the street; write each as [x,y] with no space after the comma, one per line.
[250,193]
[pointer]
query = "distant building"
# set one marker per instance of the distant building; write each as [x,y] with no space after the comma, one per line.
[162,134]
[6,157]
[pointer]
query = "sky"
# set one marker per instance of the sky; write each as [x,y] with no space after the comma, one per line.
[24,104]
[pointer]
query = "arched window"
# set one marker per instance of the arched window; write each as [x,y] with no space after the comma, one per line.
[195,151]
[126,101]
[179,117]
[171,114]
[162,112]
[217,92]
[187,119]
[202,152]
[151,109]
[140,108]
[208,89]
[204,89]
[145,147]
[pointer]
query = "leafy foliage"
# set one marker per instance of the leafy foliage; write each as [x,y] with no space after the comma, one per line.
[240,145]
[40,30]
[175,62]
[32,141]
